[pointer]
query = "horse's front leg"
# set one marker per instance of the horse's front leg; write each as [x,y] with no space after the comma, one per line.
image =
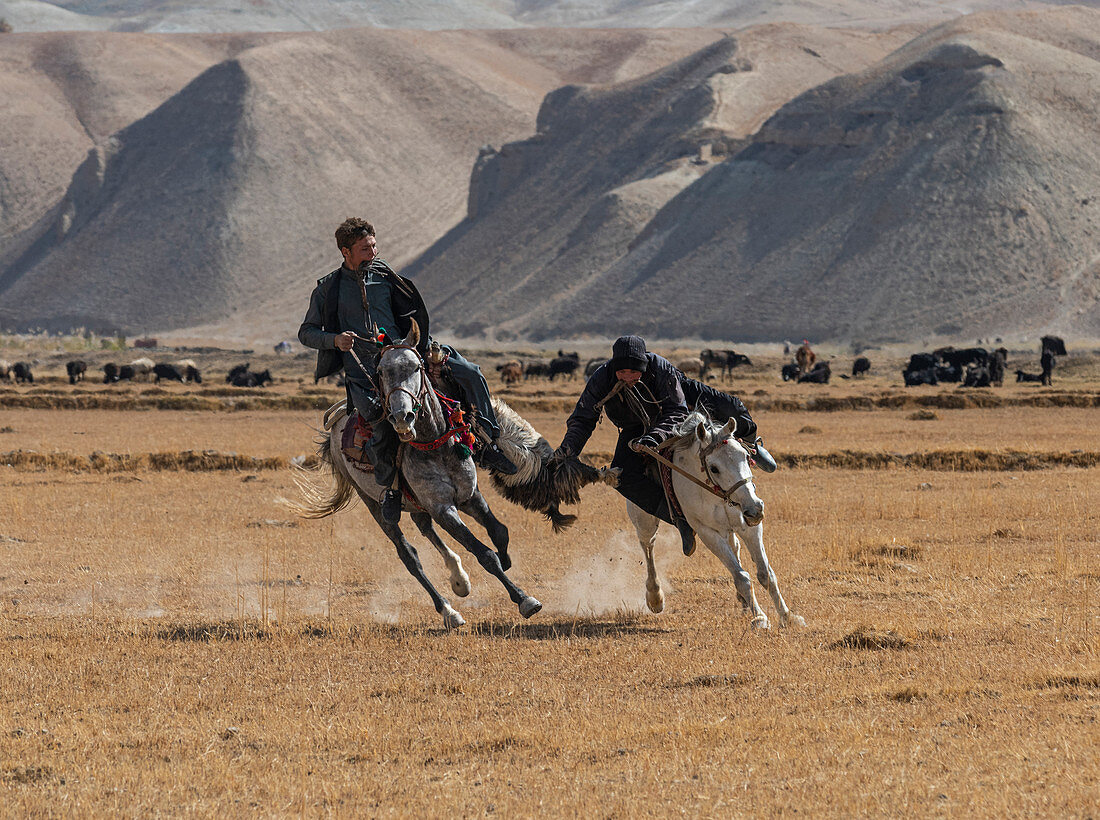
[447,517]
[718,544]
[754,540]
[645,525]
[407,553]
[477,508]
[460,581]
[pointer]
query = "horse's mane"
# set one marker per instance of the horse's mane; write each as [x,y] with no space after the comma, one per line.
[684,432]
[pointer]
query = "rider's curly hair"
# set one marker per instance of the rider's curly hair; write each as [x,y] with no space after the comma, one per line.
[351,230]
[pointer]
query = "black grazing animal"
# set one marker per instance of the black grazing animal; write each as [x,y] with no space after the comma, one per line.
[1021,376]
[861,366]
[283,347]
[921,361]
[536,369]
[962,358]
[1055,344]
[167,371]
[110,373]
[564,366]
[236,371]
[22,371]
[789,371]
[574,355]
[250,379]
[819,375]
[594,365]
[126,373]
[192,375]
[76,370]
[977,375]
[915,377]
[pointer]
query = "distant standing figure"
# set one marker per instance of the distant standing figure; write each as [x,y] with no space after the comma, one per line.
[860,366]
[805,358]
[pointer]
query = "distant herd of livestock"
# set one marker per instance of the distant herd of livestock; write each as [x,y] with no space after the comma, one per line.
[184,371]
[972,366]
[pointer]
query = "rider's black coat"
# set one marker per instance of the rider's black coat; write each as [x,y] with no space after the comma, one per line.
[672,394]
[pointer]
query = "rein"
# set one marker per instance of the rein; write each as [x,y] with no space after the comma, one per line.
[709,486]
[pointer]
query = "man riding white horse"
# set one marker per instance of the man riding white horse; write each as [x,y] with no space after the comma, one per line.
[647,398]
[348,309]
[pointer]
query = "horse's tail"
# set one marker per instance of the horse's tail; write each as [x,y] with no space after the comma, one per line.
[321,498]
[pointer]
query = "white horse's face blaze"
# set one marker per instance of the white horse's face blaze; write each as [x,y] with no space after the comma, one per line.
[400,376]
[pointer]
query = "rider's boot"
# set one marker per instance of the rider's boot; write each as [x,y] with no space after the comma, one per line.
[764,460]
[491,458]
[687,536]
[391,505]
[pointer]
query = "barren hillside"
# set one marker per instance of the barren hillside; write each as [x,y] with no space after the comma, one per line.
[953,188]
[307,15]
[221,202]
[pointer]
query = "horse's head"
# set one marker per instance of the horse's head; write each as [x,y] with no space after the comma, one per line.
[403,383]
[726,464]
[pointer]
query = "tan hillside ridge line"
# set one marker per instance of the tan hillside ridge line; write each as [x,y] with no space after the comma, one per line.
[945,189]
[171,218]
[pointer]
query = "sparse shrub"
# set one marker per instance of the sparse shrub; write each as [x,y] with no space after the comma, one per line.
[5,26]
[923,415]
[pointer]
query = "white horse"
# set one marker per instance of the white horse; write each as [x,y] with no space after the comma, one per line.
[715,457]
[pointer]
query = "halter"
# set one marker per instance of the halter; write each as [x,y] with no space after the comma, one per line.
[716,488]
[418,397]
[456,429]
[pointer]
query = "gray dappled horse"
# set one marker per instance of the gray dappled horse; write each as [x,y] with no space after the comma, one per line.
[443,480]
[715,457]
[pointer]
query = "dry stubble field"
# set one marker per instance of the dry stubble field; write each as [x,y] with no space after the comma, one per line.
[176,643]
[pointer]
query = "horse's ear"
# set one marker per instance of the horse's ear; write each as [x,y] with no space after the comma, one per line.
[727,431]
[413,339]
[701,433]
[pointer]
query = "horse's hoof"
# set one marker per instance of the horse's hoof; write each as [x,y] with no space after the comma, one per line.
[793,620]
[505,561]
[461,585]
[656,603]
[451,617]
[529,606]
[760,622]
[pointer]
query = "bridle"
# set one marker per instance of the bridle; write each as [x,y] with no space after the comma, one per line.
[422,392]
[726,494]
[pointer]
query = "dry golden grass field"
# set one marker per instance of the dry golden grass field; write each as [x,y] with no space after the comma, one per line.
[175,642]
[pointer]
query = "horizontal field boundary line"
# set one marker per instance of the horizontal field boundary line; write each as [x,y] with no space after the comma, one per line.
[215,404]
[179,461]
[977,399]
[215,461]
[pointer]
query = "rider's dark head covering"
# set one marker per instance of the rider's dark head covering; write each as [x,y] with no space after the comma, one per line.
[628,353]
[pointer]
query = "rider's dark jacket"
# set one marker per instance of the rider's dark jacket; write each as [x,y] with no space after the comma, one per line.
[665,396]
[323,316]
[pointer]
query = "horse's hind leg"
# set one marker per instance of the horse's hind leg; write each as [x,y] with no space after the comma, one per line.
[479,510]
[407,553]
[447,517]
[645,525]
[460,581]
[754,540]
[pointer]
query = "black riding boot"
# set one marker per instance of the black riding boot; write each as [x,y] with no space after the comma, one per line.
[391,505]
[491,458]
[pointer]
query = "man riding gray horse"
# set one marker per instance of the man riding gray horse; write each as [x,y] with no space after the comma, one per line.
[348,310]
[647,398]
